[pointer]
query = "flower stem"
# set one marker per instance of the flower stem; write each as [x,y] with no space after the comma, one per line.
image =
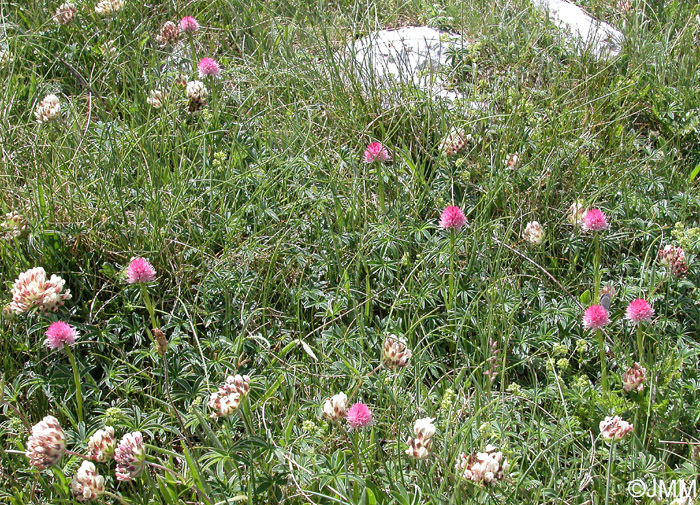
[603,368]
[596,269]
[450,296]
[76,378]
[149,305]
[607,483]
[640,344]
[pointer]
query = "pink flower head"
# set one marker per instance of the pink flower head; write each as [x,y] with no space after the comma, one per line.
[359,416]
[140,270]
[60,333]
[595,220]
[452,218]
[376,152]
[639,310]
[188,24]
[595,317]
[634,378]
[614,428]
[207,67]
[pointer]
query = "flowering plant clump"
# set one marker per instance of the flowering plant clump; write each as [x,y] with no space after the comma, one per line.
[375,151]
[359,416]
[482,467]
[31,290]
[335,407]
[634,378]
[47,444]
[614,428]
[420,446]
[87,484]
[395,354]
[534,233]
[229,395]
[130,456]
[60,334]
[102,444]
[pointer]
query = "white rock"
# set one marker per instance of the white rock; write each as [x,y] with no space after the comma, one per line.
[603,39]
[412,55]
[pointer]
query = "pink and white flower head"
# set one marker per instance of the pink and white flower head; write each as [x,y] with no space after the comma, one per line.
[228,397]
[674,258]
[87,484]
[108,7]
[31,290]
[14,226]
[376,152]
[634,378]
[482,467]
[452,218]
[421,446]
[60,334]
[595,317]
[188,24]
[140,270]
[102,444]
[595,220]
[455,142]
[395,354]
[169,33]
[359,416]
[65,13]
[335,407]
[513,161]
[614,428]
[130,456]
[534,233]
[208,67]
[47,444]
[639,311]
[576,212]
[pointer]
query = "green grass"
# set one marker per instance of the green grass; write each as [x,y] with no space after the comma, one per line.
[277,259]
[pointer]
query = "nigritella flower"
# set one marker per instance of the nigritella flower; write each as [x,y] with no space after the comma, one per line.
[534,233]
[87,484]
[140,270]
[482,467]
[31,290]
[595,317]
[65,13]
[169,33]
[229,395]
[420,446]
[335,407]
[452,218]
[107,7]
[359,415]
[188,24]
[48,109]
[595,220]
[102,444]
[130,456]
[47,444]
[395,354]
[60,333]
[376,152]
[639,311]
[634,378]
[614,428]
[14,226]
[208,67]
